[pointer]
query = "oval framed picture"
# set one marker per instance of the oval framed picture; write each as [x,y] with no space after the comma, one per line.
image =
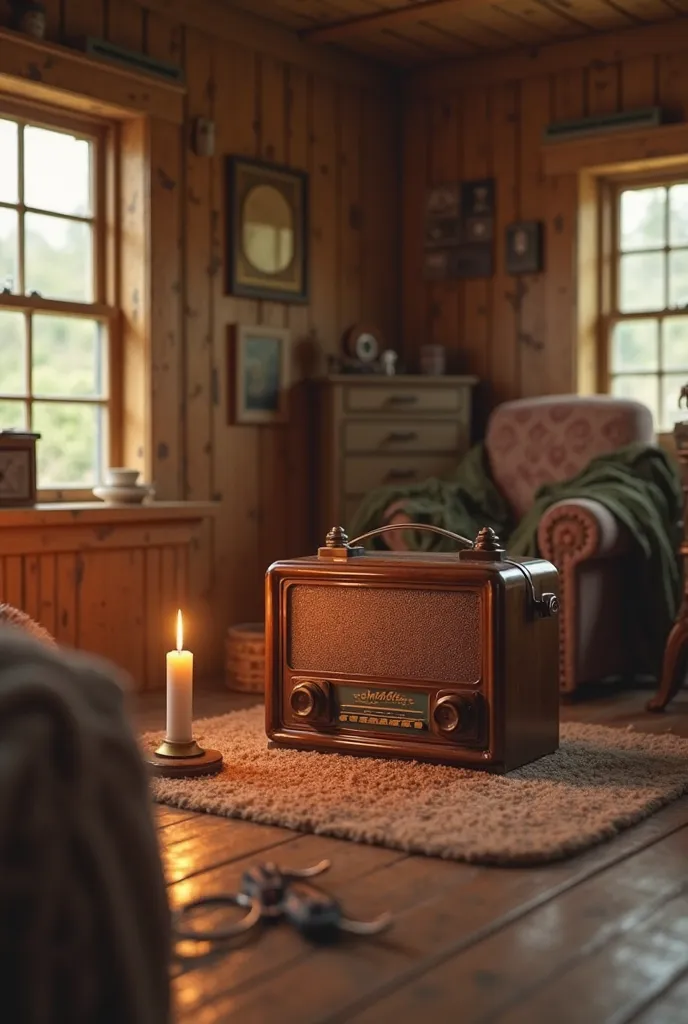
[266,231]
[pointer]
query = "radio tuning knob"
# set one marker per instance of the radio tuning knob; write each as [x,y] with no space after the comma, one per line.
[452,713]
[308,700]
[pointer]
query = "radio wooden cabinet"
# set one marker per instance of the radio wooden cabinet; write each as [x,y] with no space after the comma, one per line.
[375,431]
[450,657]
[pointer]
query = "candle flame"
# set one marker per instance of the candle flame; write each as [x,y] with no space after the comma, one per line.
[180,631]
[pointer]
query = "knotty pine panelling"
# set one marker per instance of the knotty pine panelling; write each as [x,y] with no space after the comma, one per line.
[112,590]
[517,333]
[347,137]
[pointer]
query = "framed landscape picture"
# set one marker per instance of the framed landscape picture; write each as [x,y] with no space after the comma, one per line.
[259,361]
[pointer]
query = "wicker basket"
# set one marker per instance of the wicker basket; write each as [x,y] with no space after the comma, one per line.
[245,650]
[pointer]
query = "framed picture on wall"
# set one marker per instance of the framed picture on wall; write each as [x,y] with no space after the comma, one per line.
[259,362]
[266,231]
[524,247]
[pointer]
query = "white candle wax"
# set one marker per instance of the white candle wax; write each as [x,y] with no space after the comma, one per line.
[179,691]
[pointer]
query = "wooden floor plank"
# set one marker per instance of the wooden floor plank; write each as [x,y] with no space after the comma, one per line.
[496,974]
[348,860]
[166,816]
[598,939]
[200,983]
[283,954]
[218,846]
[194,828]
[442,909]
[620,979]
[669,1007]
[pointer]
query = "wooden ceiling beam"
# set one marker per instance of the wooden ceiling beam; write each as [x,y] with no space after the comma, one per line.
[218,18]
[392,17]
[604,49]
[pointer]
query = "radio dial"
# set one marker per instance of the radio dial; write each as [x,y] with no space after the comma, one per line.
[452,714]
[308,700]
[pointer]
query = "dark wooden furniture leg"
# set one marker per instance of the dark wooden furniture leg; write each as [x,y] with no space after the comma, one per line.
[674,665]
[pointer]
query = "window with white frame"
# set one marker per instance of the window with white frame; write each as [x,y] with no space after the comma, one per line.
[647,329]
[55,318]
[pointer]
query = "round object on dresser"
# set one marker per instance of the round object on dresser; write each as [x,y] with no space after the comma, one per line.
[363,343]
[245,651]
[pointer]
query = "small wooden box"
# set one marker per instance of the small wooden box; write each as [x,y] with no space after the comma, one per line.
[17,468]
[451,658]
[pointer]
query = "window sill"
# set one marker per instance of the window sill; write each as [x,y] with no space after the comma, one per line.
[98,514]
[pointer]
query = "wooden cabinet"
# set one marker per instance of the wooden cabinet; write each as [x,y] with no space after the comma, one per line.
[376,431]
[109,579]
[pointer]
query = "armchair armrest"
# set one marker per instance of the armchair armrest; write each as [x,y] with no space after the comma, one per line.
[576,530]
[571,534]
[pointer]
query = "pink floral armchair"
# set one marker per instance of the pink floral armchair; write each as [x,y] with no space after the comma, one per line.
[534,441]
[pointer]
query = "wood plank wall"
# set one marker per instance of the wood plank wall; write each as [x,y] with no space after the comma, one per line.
[516,333]
[112,591]
[346,135]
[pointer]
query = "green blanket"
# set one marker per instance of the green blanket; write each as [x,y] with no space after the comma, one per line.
[639,484]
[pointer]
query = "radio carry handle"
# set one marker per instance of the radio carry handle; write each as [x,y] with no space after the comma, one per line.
[486,548]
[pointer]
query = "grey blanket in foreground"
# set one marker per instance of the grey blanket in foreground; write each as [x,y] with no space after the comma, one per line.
[85,934]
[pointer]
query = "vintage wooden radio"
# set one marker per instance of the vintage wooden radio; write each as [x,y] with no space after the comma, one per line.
[444,657]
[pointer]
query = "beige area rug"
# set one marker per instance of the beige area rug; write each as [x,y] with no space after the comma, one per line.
[600,782]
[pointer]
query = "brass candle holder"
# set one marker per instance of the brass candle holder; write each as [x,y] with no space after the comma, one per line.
[183,760]
[172,758]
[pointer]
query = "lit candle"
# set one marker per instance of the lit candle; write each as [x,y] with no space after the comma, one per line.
[179,690]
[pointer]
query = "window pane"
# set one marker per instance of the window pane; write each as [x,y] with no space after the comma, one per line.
[671,389]
[678,215]
[643,218]
[9,258]
[635,346]
[68,357]
[9,164]
[643,389]
[57,172]
[71,445]
[12,416]
[641,282]
[678,278]
[12,353]
[675,344]
[59,258]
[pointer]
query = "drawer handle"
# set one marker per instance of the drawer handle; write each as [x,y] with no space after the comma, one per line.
[397,475]
[402,399]
[401,436]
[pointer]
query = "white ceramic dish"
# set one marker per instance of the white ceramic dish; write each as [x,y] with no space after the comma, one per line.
[122,495]
[121,477]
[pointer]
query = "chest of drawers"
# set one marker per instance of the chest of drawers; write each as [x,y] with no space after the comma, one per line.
[375,431]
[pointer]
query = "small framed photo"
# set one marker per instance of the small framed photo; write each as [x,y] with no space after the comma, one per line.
[478,198]
[260,359]
[524,247]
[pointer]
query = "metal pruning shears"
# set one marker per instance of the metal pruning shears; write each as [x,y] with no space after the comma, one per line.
[268,893]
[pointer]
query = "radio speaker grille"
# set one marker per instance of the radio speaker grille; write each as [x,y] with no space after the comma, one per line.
[383,631]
